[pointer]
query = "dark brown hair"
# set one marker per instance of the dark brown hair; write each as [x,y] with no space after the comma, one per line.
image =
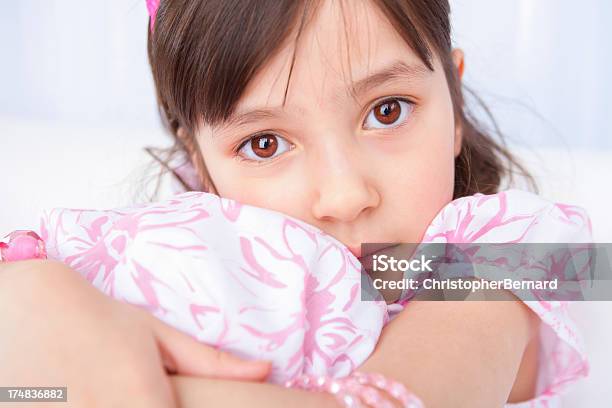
[204,53]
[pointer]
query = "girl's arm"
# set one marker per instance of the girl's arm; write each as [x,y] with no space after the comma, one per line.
[196,392]
[56,329]
[448,353]
[460,354]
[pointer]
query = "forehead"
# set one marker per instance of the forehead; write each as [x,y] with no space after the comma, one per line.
[344,41]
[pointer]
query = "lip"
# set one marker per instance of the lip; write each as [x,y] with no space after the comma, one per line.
[355,250]
[374,249]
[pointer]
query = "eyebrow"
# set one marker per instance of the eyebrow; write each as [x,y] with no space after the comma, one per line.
[249,117]
[397,70]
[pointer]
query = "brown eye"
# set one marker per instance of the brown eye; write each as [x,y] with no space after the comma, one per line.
[390,113]
[263,146]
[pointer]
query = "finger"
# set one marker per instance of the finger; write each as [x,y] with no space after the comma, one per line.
[182,354]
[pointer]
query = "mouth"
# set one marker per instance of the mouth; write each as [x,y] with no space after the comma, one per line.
[372,249]
[355,251]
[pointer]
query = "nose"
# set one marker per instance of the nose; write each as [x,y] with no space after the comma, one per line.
[343,189]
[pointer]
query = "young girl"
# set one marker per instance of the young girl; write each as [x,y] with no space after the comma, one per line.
[345,115]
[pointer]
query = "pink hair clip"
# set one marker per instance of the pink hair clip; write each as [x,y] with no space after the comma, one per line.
[359,390]
[22,245]
[152,6]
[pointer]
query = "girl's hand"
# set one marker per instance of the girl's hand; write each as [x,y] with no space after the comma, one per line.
[58,330]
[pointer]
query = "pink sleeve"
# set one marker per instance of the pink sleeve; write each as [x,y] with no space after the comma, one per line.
[523,217]
[563,359]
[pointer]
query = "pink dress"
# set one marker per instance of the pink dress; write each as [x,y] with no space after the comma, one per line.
[261,284]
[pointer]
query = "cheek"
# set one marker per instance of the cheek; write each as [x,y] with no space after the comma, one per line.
[414,192]
[416,172]
[436,157]
[277,188]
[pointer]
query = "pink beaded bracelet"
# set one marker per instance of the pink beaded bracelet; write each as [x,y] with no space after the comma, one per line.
[358,390]
[22,245]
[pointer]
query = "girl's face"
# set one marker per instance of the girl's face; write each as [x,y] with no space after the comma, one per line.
[363,147]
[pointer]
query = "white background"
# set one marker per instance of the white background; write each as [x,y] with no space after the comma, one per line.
[77,106]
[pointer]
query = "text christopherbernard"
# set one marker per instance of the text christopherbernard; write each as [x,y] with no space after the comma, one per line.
[382,263]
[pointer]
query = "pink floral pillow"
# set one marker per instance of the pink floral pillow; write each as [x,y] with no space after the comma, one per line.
[248,280]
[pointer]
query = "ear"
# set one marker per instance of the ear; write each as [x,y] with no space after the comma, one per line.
[459,62]
[200,180]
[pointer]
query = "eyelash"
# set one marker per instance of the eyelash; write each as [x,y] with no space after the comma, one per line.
[244,141]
